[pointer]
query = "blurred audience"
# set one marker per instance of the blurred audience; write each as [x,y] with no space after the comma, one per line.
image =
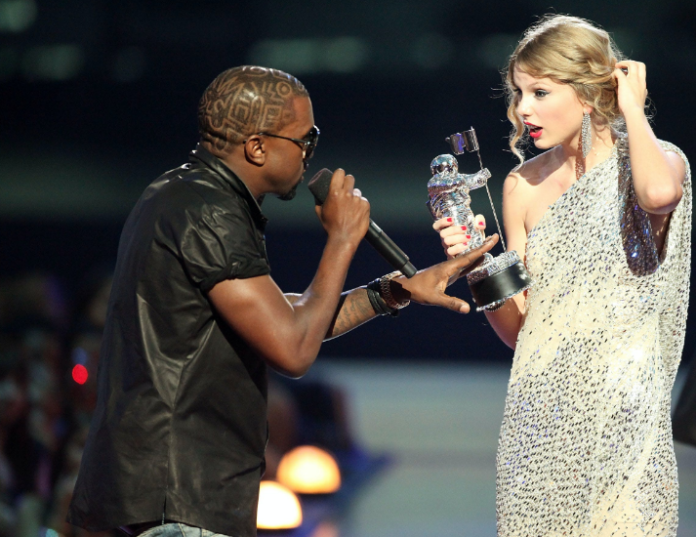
[49,355]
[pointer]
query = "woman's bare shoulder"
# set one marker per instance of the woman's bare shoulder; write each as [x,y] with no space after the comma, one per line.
[534,170]
[530,173]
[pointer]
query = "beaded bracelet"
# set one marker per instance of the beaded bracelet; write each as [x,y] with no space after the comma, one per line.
[385,287]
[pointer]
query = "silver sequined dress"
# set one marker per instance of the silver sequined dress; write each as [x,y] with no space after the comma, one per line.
[586,443]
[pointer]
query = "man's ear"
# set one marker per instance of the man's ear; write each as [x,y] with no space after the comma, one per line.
[255,150]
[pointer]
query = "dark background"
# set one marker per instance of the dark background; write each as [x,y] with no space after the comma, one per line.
[99,98]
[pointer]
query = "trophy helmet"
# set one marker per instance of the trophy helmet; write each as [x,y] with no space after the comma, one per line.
[445,165]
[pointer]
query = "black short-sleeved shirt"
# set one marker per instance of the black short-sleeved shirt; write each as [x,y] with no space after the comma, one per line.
[180,425]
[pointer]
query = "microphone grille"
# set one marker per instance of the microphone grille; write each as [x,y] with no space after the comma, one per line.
[319,185]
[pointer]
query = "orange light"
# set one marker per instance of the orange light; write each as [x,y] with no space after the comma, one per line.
[309,470]
[80,374]
[279,508]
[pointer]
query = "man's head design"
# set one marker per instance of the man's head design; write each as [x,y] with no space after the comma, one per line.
[246,100]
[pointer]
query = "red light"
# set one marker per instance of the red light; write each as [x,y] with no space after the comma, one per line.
[79,374]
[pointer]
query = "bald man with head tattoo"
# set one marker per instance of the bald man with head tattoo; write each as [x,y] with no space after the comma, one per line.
[176,444]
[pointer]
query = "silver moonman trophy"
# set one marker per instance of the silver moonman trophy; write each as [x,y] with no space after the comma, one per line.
[498,278]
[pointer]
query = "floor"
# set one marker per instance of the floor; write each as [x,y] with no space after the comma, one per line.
[439,422]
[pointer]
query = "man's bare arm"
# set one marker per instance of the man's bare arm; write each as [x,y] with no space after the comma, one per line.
[427,287]
[287,336]
[353,309]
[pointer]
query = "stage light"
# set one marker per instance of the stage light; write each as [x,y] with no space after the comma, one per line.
[309,470]
[279,508]
[80,374]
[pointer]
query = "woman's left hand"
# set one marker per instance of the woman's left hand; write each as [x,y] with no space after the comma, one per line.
[632,90]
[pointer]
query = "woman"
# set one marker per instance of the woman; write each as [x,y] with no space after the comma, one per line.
[603,220]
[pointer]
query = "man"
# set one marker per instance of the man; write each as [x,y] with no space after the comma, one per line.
[194,318]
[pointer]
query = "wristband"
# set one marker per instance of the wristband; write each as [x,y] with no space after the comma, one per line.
[378,303]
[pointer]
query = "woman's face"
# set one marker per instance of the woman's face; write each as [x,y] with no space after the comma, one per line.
[551,111]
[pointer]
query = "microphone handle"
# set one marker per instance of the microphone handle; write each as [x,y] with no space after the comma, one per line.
[394,255]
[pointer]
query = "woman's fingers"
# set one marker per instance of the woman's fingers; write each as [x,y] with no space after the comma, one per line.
[442,223]
[632,91]
[456,249]
[451,240]
[454,230]
[456,238]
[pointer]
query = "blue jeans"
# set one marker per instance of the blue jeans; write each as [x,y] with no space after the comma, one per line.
[175,529]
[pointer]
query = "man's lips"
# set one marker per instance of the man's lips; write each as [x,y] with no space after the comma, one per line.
[534,131]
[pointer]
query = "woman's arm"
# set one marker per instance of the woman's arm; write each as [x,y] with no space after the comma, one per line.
[657,174]
[507,320]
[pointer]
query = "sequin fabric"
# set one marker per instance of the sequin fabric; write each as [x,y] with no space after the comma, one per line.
[586,445]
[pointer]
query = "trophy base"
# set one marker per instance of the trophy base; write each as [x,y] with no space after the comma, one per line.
[497,280]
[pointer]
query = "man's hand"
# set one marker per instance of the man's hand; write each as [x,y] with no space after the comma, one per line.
[428,286]
[345,214]
[287,335]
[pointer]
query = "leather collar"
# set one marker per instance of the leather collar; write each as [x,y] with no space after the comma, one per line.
[202,155]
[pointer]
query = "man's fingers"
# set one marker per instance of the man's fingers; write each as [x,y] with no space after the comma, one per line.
[337,179]
[349,183]
[453,303]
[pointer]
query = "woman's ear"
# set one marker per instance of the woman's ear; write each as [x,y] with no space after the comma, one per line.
[586,108]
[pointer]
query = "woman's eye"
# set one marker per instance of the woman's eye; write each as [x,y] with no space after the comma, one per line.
[541,93]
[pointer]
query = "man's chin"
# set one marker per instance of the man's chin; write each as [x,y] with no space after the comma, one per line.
[290,194]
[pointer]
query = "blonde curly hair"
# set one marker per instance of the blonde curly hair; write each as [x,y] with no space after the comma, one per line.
[568,50]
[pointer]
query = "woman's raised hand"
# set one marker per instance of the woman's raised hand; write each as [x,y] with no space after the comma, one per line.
[632,90]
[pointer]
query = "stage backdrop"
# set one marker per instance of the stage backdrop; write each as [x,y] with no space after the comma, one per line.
[99,98]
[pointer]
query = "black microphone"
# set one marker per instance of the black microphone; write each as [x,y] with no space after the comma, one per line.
[380,241]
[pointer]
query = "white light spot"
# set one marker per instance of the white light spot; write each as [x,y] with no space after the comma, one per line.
[345,54]
[17,15]
[306,56]
[55,62]
[295,56]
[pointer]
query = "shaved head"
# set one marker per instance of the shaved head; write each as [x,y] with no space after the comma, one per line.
[246,100]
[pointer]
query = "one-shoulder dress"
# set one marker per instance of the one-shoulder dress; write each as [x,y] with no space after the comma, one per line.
[585,447]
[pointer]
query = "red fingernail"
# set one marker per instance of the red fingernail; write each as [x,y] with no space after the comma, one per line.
[468,236]
[480,223]
[449,220]
[464,228]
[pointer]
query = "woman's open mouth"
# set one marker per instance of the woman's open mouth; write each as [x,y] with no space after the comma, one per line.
[534,131]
